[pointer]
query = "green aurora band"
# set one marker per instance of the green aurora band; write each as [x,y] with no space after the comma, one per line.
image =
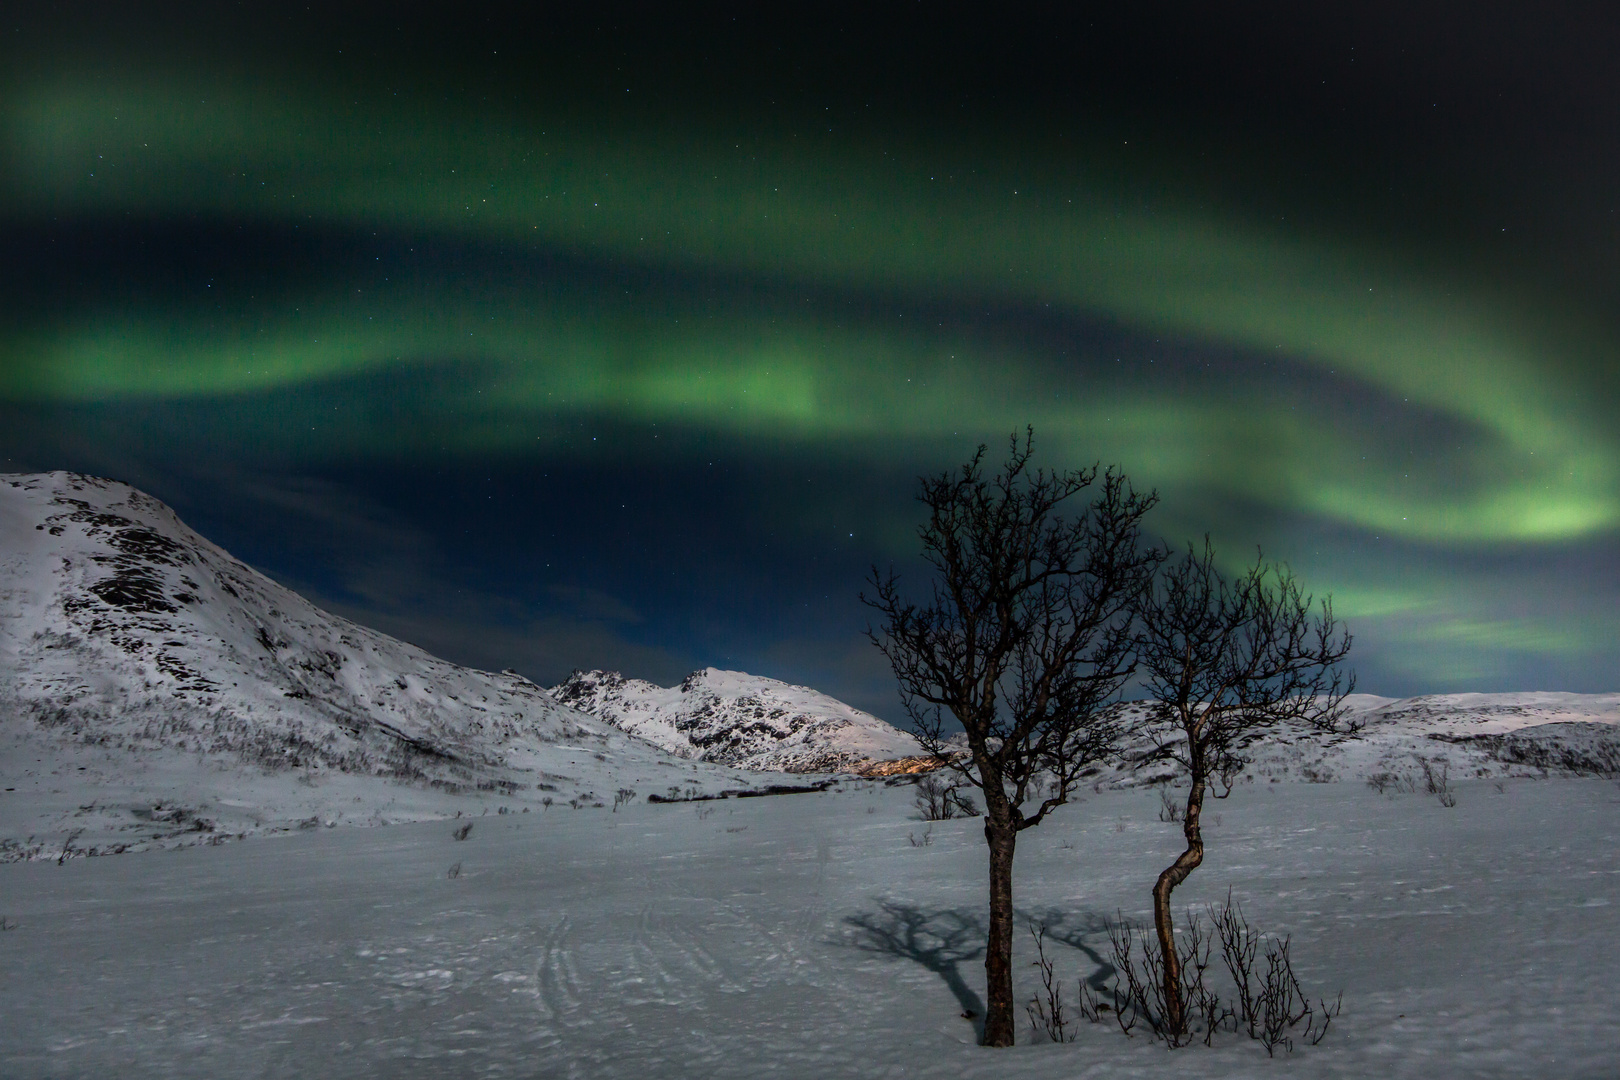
[1537,464]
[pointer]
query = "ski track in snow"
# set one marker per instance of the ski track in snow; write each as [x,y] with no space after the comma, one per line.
[802,936]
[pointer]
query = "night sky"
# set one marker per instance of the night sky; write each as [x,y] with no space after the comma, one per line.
[617,336]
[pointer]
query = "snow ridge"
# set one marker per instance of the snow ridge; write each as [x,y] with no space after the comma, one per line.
[732,718]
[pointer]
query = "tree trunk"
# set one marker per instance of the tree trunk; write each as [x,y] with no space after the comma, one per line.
[999,1022]
[1175,1009]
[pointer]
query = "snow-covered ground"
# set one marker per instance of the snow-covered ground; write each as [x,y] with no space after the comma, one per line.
[812,936]
[733,718]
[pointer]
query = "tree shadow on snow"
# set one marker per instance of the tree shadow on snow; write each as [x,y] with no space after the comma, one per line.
[1075,929]
[938,940]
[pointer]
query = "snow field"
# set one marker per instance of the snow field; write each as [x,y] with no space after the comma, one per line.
[811,935]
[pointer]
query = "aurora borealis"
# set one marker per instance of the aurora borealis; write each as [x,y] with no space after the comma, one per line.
[616,338]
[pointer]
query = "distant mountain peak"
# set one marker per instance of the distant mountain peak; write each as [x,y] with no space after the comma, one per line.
[733,718]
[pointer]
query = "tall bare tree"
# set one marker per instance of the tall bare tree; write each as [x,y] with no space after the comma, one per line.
[1023,639]
[1229,661]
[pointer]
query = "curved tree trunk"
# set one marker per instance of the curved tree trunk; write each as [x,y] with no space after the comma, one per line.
[1175,1009]
[998,992]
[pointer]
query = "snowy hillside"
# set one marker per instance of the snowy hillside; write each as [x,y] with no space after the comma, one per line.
[152,687]
[1479,735]
[732,718]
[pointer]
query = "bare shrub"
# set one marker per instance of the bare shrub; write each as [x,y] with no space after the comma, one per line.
[939,799]
[454,871]
[926,839]
[1401,783]
[1437,782]
[622,797]
[462,831]
[1169,808]
[68,851]
[1142,997]
[1267,1002]
[1047,1012]
[1270,1004]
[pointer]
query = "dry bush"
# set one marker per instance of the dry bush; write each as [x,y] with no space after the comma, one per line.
[1265,1002]
[940,799]
[1047,1012]
[1437,781]
[1403,783]
[1270,1004]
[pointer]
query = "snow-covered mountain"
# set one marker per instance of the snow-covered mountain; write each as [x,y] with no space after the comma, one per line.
[732,718]
[154,687]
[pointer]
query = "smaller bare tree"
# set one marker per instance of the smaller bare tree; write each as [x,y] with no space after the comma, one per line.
[1228,661]
[941,799]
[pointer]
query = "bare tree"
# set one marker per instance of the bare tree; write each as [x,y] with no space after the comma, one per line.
[1023,639]
[941,800]
[1228,660]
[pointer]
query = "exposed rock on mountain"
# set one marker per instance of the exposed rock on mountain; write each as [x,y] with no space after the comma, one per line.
[1479,735]
[747,721]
